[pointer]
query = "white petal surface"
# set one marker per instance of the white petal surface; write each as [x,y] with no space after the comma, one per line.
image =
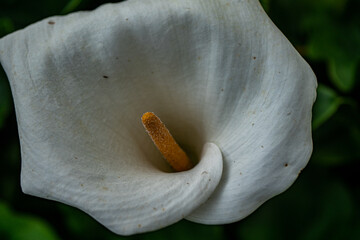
[213,71]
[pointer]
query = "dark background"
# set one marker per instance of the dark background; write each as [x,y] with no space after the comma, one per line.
[322,204]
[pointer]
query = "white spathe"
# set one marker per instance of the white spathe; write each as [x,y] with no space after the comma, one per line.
[218,73]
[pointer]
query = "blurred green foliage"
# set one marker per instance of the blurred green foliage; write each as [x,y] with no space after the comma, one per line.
[21,227]
[322,204]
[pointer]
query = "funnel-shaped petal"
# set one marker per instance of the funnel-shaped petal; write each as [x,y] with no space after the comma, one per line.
[213,70]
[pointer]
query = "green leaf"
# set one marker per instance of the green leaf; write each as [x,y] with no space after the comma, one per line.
[327,5]
[337,142]
[14,226]
[334,215]
[326,105]
[342,73]
[71,6]
[6,26]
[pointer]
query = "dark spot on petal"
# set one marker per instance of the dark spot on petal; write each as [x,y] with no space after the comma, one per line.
[262,146]
[222,89]
[286,164]
[105,76]
[254,58]
[51,22]
[139,225]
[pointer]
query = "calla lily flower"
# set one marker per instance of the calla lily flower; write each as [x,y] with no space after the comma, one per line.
[230,88]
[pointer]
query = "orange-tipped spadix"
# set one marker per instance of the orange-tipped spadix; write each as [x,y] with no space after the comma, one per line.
[166,144]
